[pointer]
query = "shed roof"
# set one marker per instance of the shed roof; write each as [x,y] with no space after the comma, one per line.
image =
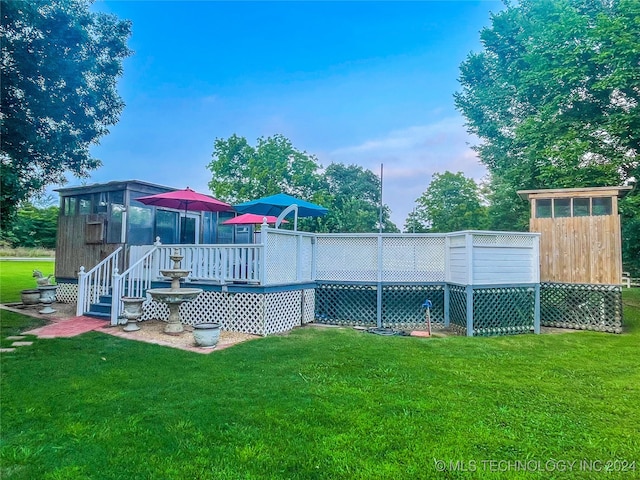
[572,192]
[111,186]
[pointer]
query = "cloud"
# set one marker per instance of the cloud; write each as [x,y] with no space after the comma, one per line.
[410,157]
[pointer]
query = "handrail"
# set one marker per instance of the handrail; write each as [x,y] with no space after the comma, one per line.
[133,282]
[95,282]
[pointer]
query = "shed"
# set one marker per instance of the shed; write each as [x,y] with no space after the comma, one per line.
[95,220]
[580,238]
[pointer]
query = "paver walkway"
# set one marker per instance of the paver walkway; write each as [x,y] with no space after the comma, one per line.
[69,327]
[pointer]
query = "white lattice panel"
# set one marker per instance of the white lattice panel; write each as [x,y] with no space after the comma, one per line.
[282,311]
[207,307]
[67,293]
[281,258]
[246,313]
[413,259]
[503,240]
[309,306]
[347,258]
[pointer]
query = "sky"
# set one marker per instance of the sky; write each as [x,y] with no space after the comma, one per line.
[364,83]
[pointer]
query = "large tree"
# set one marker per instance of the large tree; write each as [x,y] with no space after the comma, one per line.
[60,63]
[451,202]
[554,97]
[242,172]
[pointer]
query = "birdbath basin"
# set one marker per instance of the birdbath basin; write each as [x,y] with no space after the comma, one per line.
[174,297]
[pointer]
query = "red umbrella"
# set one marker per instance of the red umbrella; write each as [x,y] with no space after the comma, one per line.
[186,199]
[250,219]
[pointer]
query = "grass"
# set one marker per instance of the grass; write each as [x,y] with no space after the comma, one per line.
[25,252]
[16,276]
[324,403]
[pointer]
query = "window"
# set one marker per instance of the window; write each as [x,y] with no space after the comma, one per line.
[84,204]
[562,207]
[581,207]
[601,206]
[140,225]
[116,209]
[543,208]
[167,226]
[70,206]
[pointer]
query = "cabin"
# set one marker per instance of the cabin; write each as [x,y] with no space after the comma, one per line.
[580,255]
[96,220]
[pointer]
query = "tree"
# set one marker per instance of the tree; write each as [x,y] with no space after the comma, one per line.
[451,203]
[60,63]
[353,199]
[34,227]
[555,98]
[242,172]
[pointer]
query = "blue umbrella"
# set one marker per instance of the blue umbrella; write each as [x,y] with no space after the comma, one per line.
[275,204]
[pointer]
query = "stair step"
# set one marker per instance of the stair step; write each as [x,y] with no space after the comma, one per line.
[103,316]
[100,307]
[105,299]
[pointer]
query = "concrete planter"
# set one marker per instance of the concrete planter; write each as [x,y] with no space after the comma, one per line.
[30,297]
[206,335]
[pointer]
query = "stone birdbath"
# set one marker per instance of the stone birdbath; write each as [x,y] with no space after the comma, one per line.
[174,296]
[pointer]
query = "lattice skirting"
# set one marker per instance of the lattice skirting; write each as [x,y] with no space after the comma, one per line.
[356,305]
[67,293]
[458,309]
[503,310]
[255,313]
[580,306]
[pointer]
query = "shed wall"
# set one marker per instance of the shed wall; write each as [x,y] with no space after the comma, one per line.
[580,249]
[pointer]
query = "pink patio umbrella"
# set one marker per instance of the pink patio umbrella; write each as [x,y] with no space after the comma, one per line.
[186,199]
[250,219]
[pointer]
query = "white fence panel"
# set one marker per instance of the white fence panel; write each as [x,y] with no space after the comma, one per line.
[347,258]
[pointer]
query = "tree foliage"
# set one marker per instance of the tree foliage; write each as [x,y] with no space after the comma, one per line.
[451,202]
[241,172]
[34,227]
[353,198]
[554,97]
[60,63]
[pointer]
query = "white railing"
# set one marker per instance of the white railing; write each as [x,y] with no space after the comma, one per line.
[96,282]
[215,263]
[133,282]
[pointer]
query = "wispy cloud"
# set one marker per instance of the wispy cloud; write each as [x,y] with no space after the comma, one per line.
[410,157]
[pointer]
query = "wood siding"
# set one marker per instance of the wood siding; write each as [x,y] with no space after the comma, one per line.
[579,249]
[72,249]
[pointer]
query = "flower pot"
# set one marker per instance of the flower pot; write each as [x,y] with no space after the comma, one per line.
[132,312]
[30,297]
[206,335]
[47,297]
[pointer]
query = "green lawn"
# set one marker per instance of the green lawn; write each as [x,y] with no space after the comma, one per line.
[325,403]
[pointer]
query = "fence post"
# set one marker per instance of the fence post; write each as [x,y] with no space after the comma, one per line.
[264,233]
[536,310]
[469,291]
[299,258]
[447,313]
[116,293]
[379,284]
[82,292]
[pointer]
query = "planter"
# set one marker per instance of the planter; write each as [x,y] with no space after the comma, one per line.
[47,297]
[132,312]
[30,297]
[206,335]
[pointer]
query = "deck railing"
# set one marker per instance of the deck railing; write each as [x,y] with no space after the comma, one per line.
[215,263]
[96,282]
[133,282]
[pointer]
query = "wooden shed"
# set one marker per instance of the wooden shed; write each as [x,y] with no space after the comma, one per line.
[580,233]
[95,220]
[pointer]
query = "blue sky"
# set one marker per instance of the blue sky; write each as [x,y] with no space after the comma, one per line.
[358,83]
